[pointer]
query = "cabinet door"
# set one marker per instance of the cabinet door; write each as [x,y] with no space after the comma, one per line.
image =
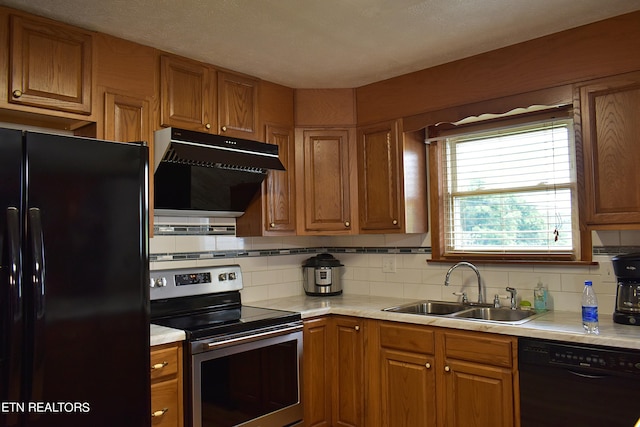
[317,373]
[126,118]
[238,106]
[610,113]
[326,196]
[379,181]
[50,66]
[477,395]
[166,386]
[408,389]
[348,379]
[186,95]
[280,201]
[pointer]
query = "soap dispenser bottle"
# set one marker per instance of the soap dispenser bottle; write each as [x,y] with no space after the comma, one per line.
[540,297]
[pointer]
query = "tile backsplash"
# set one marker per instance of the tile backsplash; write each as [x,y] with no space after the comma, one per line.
[272,265]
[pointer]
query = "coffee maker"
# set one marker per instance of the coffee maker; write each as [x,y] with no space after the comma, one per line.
[627,271]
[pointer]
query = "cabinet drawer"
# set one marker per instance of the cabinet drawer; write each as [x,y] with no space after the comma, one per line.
[476,347]
[164,362]
[164,404]
[417,339]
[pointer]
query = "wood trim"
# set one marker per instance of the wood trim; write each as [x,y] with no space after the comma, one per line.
[583,53]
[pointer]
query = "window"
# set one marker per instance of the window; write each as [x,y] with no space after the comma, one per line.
[510,191]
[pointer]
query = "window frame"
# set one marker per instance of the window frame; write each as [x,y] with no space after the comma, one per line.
[438,187]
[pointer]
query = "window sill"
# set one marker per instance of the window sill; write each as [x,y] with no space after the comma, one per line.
[487,260]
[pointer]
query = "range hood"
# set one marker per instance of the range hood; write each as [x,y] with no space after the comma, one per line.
[200,174]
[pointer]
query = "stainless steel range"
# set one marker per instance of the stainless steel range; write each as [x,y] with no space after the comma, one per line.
[243,365]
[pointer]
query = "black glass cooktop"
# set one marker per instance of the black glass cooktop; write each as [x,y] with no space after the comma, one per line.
[199,318]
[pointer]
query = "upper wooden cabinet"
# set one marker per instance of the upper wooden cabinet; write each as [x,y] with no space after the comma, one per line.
[610,113]
[187,93]
[50,66]
[325,163]
[238,106]
[392,181]
[274,211]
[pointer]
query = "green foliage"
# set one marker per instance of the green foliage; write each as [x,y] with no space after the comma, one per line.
[502,220]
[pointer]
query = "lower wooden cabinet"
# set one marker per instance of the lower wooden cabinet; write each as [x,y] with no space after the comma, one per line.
[333,372]
[363,372]
[166,386]
[407,375]
[478,387]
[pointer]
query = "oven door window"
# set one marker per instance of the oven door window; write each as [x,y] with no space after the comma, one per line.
[242,383]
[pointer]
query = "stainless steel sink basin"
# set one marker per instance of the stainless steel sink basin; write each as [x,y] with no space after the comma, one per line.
[429,307]
[496,314]
[468,311]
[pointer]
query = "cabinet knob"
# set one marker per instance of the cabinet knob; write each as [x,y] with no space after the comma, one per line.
[428,365]
[272,224]
[447,369]
[357,327]
[223,128]
[159,413]
[347,224]
[395,222]
[17,93]
[207,126]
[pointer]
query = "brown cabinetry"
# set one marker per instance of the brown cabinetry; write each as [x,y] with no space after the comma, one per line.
[441,377]
[334,371]
[610,112]
[50,66]
[408,375]
[325,163]
[166,386]
[392,195]
[348,377]
[316,376]
[478,380]
[238,106]
[187,90]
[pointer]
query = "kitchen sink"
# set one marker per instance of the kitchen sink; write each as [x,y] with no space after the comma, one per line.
[496,314]
[429,307]
[467,311]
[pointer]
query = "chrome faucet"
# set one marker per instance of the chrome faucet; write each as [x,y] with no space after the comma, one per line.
[475,269]
[512,297]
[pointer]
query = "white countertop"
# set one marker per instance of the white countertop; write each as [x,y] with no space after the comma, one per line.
[164,335]
[554,325]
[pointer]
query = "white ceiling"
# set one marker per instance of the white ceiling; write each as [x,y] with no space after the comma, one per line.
[327,43]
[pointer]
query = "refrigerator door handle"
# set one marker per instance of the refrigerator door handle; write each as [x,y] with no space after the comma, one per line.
[15,311]
[39,293]
[38,267]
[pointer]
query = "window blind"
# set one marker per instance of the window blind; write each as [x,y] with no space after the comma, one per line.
[511,190]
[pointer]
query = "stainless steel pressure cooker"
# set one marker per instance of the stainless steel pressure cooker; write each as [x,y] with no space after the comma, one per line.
[322,275]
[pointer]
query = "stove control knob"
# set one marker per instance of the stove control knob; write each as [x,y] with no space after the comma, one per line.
[222,277]
[232,276]
[160,282]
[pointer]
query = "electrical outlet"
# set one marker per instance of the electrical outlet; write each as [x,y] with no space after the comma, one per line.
[389,264]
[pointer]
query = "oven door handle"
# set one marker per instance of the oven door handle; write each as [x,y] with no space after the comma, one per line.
[253,337]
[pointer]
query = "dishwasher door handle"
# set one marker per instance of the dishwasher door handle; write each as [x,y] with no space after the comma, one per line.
[588,376]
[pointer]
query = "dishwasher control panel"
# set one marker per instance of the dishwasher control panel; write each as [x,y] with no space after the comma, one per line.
[541,352]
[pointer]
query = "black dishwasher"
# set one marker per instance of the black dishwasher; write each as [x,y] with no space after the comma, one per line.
[565,384]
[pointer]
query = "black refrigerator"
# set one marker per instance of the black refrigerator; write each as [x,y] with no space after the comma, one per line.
[74,295]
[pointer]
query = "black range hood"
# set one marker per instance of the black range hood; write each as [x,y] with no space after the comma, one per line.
[200,174]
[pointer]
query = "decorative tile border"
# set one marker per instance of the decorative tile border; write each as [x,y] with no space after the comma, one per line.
[230,230]
[292,251]
[194,230]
